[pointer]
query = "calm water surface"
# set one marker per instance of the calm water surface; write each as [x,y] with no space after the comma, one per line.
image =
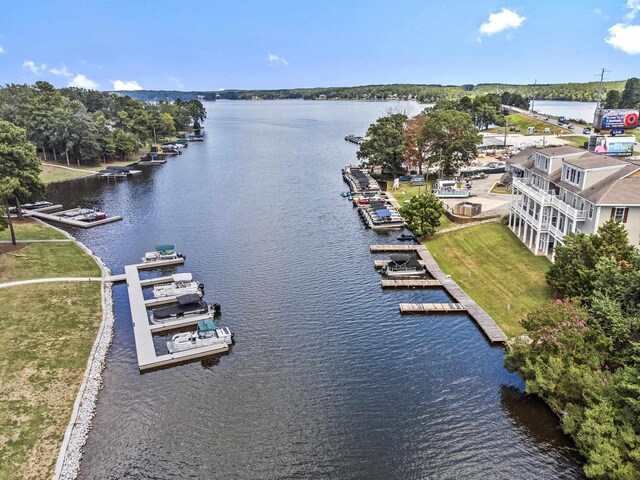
[326,380]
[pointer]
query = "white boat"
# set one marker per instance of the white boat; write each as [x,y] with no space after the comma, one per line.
[189,306]
[403,266]
[163,252]
[206,335]
[183,284]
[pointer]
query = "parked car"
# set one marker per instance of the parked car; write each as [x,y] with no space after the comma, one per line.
[586,131]
[570,127]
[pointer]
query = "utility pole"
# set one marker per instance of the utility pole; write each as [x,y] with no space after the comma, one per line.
[506,126]
[533,98]
[602,72]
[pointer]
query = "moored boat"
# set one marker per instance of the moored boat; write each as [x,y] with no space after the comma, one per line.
[163,252]
[406,236]
[190,305]
[207,334]
[403,266]
[183,284]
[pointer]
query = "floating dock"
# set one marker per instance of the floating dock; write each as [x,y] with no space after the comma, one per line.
[490,328]
[410,283]
[431,307]
[143,330]
[68,221]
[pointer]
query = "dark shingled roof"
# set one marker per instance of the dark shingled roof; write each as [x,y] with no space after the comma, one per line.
[594,160]
[521,157]
[616,189]
[559,151]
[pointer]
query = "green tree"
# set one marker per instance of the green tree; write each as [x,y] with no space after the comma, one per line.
[613,99]
[450,140]
[631,94]
[422,213]
[384,145]
[125,143]
[19,167]
[168,128]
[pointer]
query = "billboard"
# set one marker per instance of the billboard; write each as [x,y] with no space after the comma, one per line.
[607,119]
[614,146]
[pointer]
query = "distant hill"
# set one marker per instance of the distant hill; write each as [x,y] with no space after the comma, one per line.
[583,92]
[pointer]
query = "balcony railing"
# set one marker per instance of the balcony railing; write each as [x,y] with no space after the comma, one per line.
[547,199]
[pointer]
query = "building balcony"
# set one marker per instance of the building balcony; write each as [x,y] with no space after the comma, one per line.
[548,199]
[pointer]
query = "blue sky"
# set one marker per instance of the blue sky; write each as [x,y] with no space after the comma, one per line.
[283,44]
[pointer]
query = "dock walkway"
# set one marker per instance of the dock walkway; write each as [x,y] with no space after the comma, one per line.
[484,321]
[143,330]
[410,283]
[431,307]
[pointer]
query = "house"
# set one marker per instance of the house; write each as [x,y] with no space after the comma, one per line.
[561,190]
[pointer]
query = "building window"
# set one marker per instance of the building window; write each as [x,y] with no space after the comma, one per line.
[572,175]
[620,214]
[590,211]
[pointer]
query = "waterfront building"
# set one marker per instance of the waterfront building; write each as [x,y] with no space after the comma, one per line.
[561,190]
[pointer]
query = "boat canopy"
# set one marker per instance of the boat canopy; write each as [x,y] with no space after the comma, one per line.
[413,263]
[206,326]
[182,277]
[165,247]
[189,298]
[399,258]
[384,213]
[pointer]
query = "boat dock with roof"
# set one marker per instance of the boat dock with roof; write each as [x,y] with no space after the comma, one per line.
[463,303]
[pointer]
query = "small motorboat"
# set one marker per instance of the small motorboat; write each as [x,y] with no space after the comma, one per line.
[206,335]
[345,194]
[91,216]
[163,252]
[182,284]
[403,266]
[405,237]
[190,305]
[31,206]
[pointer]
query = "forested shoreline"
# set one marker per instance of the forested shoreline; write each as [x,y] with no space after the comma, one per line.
[583,92]
[85,127]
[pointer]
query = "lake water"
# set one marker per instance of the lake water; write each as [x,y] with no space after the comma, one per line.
[326,379]
[576,110]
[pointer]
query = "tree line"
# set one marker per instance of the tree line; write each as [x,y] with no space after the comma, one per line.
[84,127]
[581,353]
[424,93]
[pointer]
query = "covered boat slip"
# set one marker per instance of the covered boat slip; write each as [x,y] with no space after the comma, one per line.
[359,180]
[142,330]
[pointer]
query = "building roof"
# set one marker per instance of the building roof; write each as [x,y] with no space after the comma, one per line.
[559,151]
[521,157]
[616,189]
[593,160]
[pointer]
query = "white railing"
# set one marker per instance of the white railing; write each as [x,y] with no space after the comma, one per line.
[546,199]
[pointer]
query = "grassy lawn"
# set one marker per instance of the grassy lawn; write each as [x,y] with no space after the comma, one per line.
[55,174]
[502,271]
[46,333]
[408,191]
[575,140]
[28,229]
[43,260]
[501,189]
[522,122]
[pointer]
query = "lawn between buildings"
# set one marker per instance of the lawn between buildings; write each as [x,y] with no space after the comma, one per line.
[496,270]
[46,335]
[408,191]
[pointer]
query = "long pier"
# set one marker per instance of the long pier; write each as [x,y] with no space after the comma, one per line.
[431,307]
[143,330]
[58,218]
[490,328]
[410,283]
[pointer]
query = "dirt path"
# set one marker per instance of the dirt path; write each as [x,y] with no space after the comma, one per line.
[47,280]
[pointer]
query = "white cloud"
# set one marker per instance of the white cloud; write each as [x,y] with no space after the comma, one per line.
[30,65]
[634,8]
[625,38]
[130,85]
[275,59]
[599,12]
[1,49]
[176,81]
[497,22]
[82,81]
[61,71]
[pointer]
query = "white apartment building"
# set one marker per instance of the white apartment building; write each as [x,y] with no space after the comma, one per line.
[562,190]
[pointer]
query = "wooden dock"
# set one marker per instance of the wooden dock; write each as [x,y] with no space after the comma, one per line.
[490,328]
[148,266]
[410,283]
[142,329]
[431,307]
[69,221]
